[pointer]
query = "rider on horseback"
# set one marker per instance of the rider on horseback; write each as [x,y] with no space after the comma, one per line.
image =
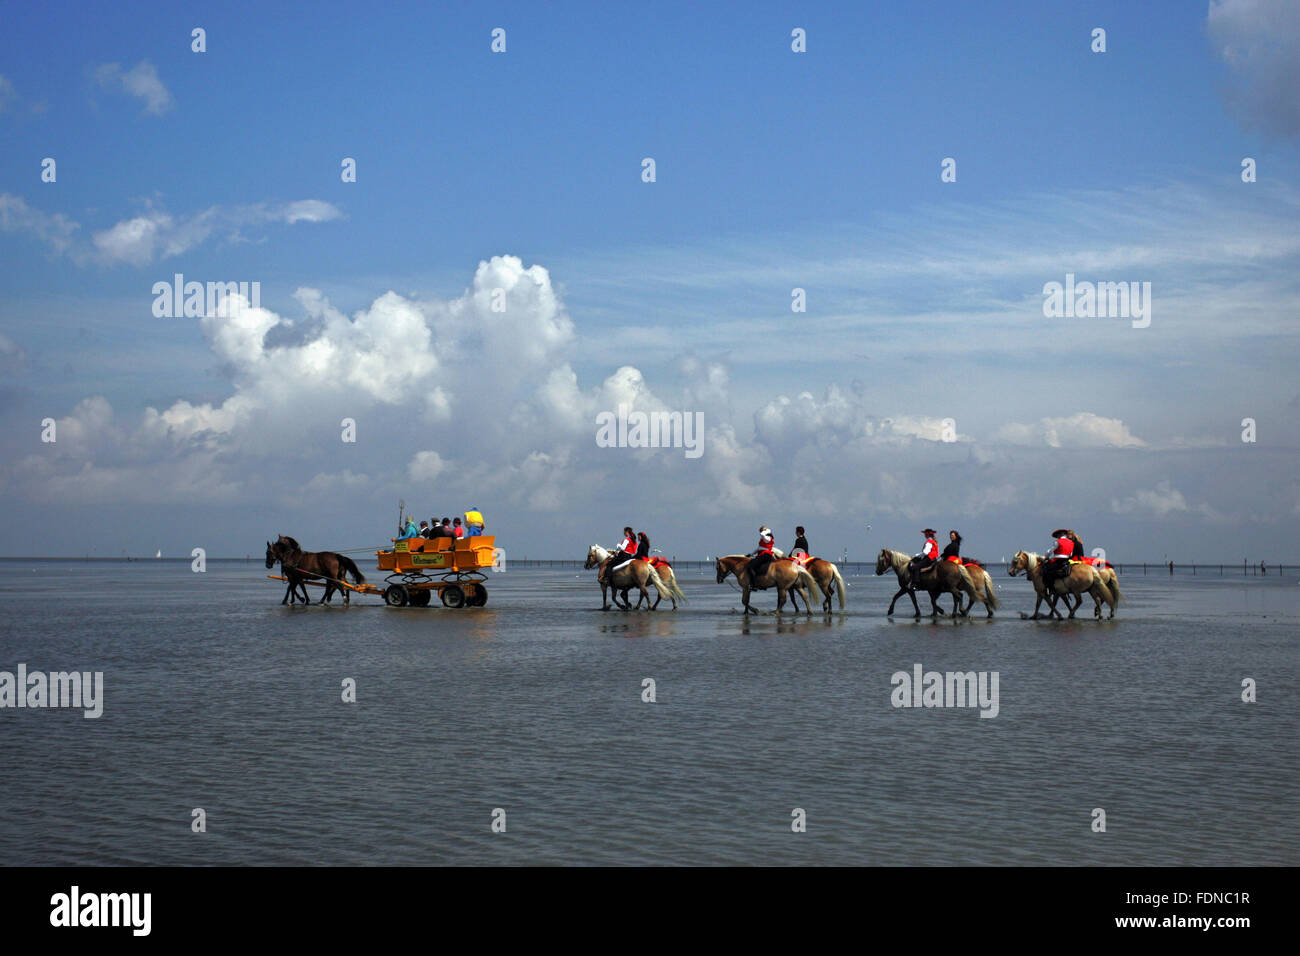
[953,550]
[800,542]
[762,555]
[926,558]
[626,551]
[1057,564]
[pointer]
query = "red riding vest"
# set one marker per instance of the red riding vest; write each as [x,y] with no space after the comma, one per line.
[1064,548]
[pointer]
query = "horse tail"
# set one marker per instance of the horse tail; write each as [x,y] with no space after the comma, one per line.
[992,600]
[805,579]
[350,567]
[1114,587]
[839,585]
[672,585]
[653,578]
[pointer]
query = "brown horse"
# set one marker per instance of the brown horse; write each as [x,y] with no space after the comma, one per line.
[1082,579]
[780,574]
[945,577]
[634,574]
[669,578]
[828,578]
[300,566]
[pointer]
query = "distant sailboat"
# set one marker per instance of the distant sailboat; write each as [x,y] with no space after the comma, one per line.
[159,554]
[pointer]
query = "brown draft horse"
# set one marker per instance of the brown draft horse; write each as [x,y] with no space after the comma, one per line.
[780,574]
[300,566]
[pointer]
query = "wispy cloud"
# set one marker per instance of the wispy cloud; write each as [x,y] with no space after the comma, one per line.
[155,234]
[141,81]
[54,229]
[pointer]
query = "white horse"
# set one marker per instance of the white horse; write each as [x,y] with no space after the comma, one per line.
[663,580]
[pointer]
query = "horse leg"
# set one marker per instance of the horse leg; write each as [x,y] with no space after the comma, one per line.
[901,592]
[604,597]
[934,604]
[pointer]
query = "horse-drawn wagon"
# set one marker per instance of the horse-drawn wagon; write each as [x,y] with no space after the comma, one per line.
[450,567]
[418,568]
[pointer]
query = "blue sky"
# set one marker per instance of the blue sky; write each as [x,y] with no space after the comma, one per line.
[774,170]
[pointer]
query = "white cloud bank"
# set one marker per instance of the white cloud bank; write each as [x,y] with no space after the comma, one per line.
[476,396]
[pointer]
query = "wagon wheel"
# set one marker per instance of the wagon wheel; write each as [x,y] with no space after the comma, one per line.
[395,595]
[478,598]
[420,598]
[453,596]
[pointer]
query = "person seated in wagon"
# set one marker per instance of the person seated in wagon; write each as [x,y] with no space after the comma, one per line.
[474,521]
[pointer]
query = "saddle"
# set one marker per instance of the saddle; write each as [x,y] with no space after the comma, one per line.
[965,562]
[803,560]
[657,562]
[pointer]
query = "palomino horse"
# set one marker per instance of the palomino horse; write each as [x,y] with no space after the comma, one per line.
[945,577]
[780,574]
[634,574]
[982,582]
[827,576]
[1101,583]
[300,566]
[663,569]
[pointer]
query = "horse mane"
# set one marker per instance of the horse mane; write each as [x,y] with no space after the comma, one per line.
[291,542]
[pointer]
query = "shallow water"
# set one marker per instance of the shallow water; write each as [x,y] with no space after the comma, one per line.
[218,697]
